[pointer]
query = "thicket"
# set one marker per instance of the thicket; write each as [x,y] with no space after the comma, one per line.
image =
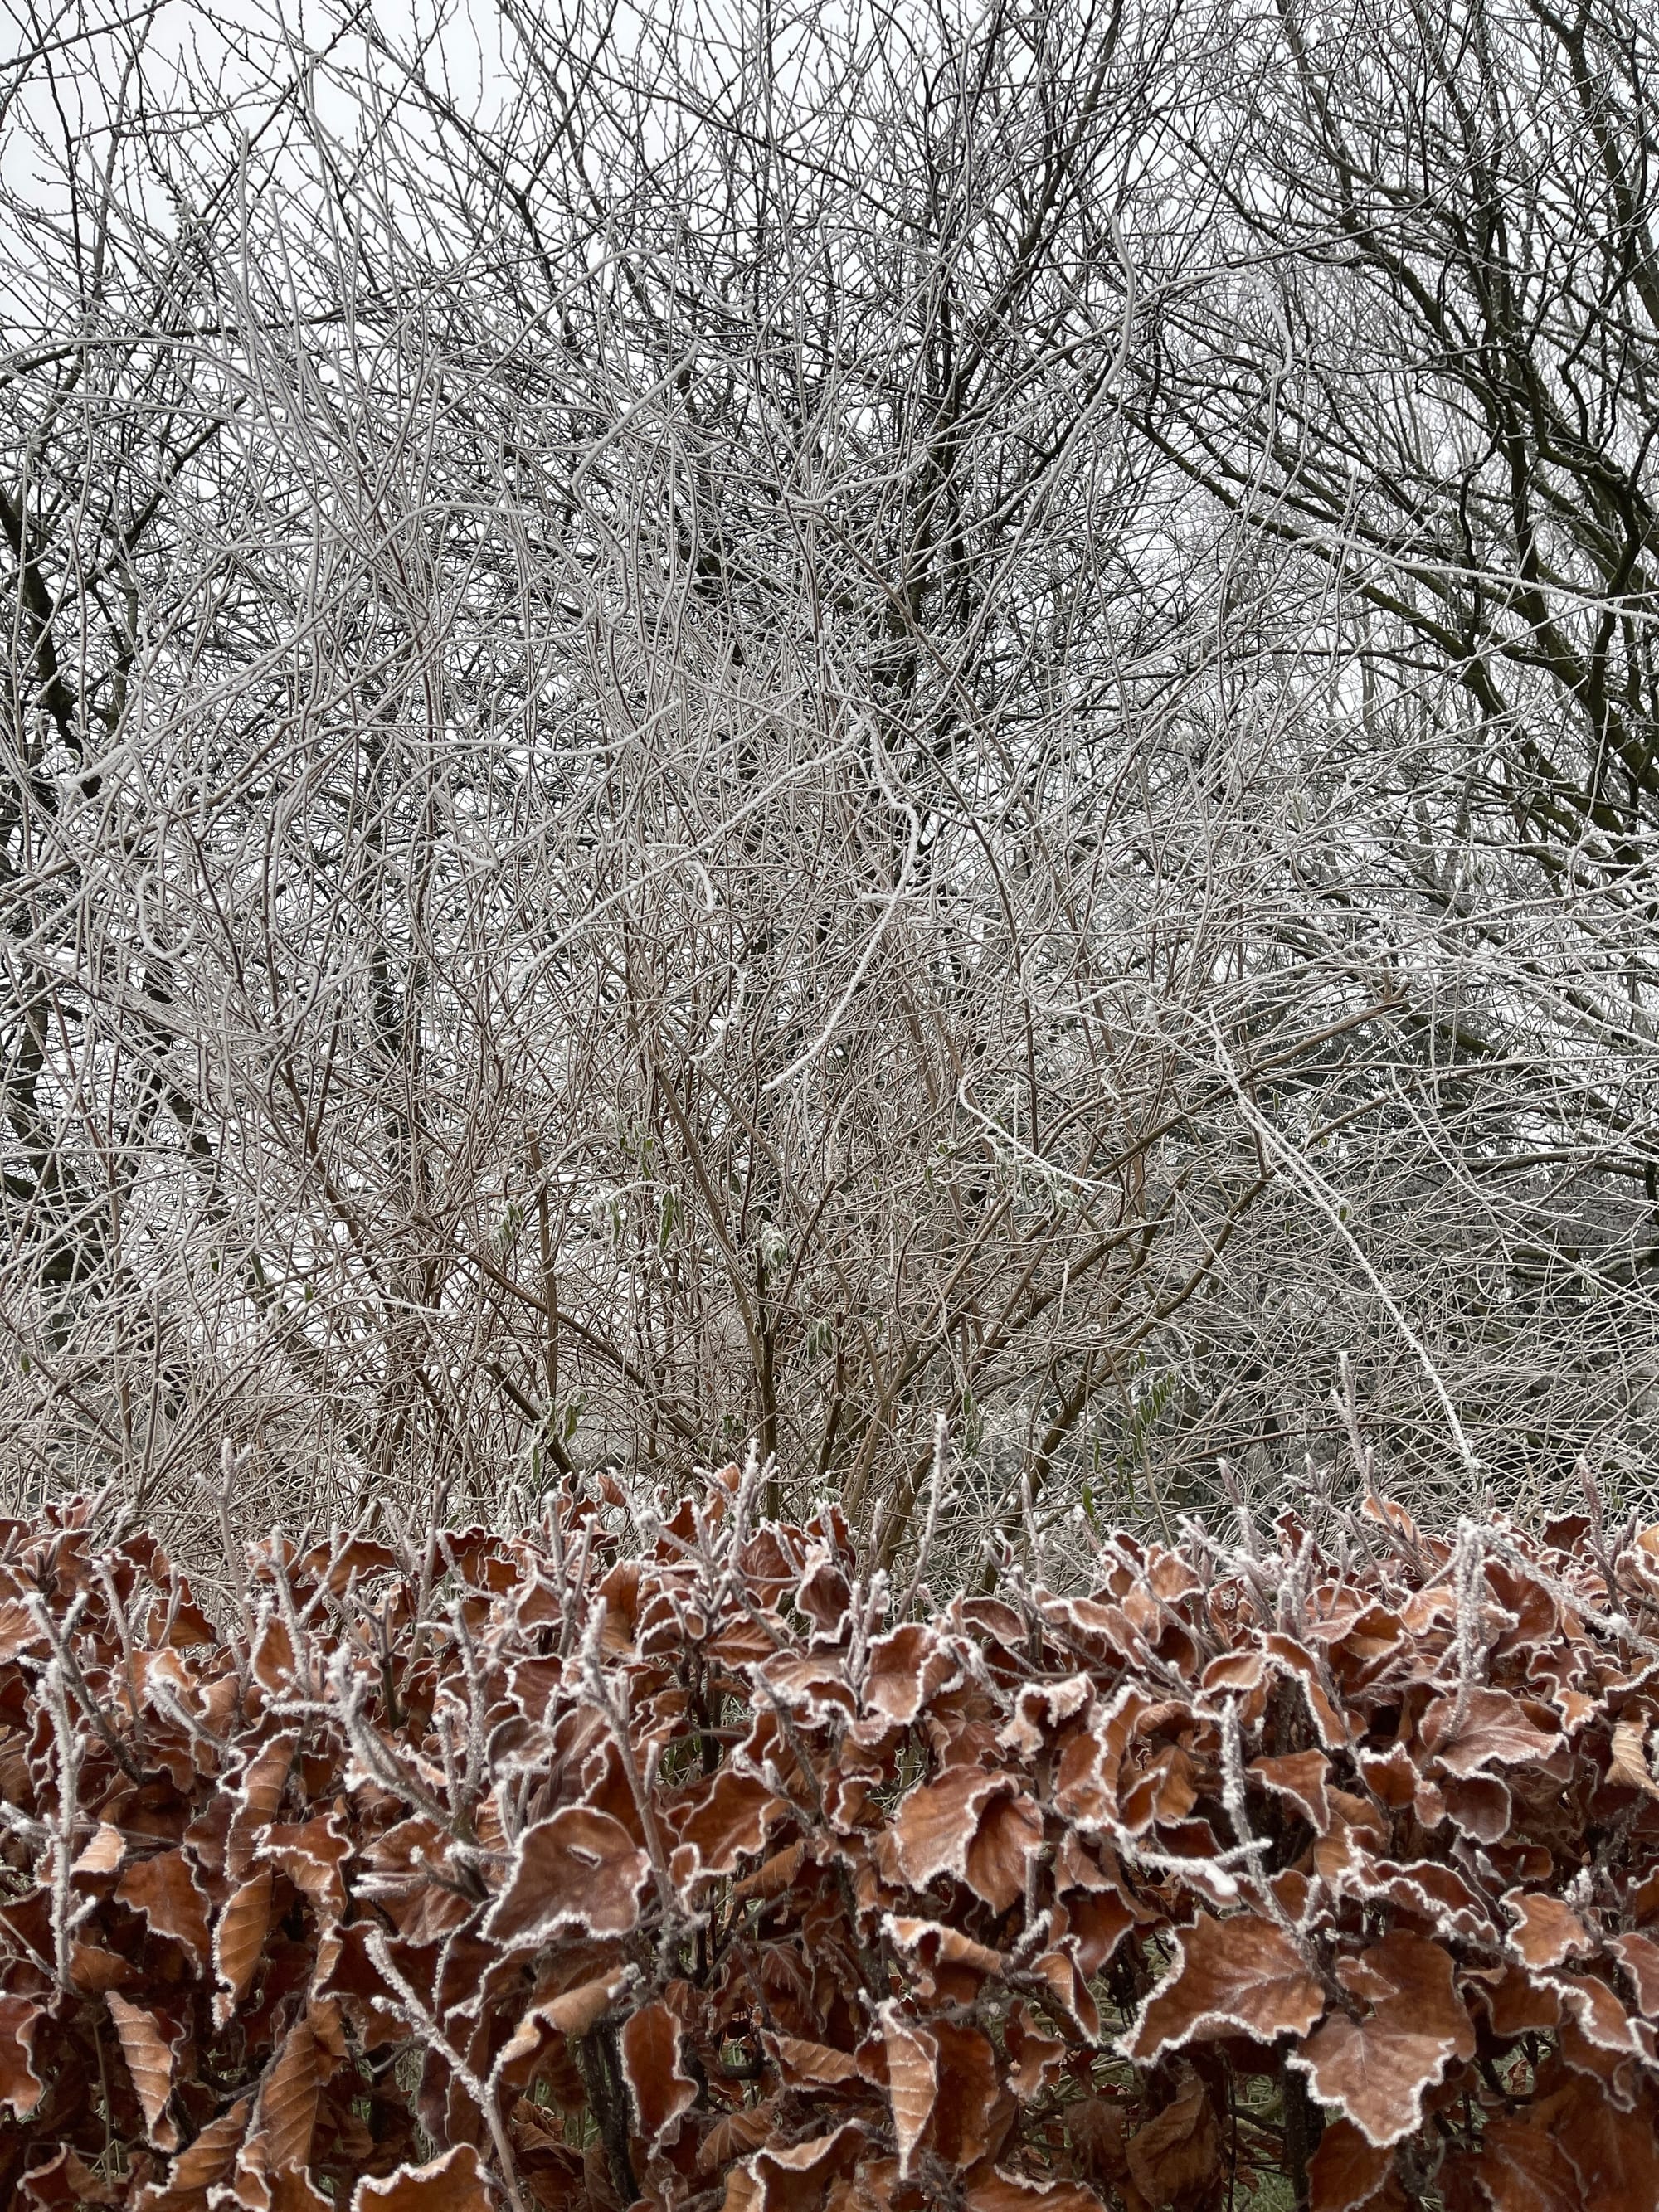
[753,721]
[695,1866]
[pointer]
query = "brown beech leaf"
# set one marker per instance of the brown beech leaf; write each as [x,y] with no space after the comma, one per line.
[728,1822]
[659,2088]
[1179,2149]
[912,2082]
[1478,1805]
[1299,1664]
[453,2183]
[1346,2172]
[773,1876]
[310,1854]
[1299,1776]
[147,2050]
[102,1854]
[1098,2128]
[1629,1763]
[334,1565]
[1599,2016]
[1639,1957]
[165,1890]
[92,1970]
[944,1953]
[1035,2057]
[907,1666]
[573,2014]
[735,2134]
[1391,1775]
[1007,2192]
[1244,1975]
[272,1658]
[1164,1791]
[813,2065]
[965,2092]
[1547,1929]
[1377,2069]
[1008,1838]
[796,2179]
[938,1820]
[1428,1890]
[203,2161]
[1492,1730]
[579,1869]
[1614,2155]
[64,2183]
[1516,2002]
[21,2086]
[1518,2169]
[264,1781]
[19,1630]
[1366,1639]
[239,1942]
[1042,1708]
[287,2114]
[1096,1922]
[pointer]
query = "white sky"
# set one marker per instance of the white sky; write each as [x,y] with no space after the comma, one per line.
[88,44]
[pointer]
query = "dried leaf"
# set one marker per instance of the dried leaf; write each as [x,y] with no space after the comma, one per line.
[911,2081]
[1242,1975]
[1519,2169]
[1008,1838]
[287,2111]
[165,1890]
[735,2136]
[773,1876]
[1548,1931]
[311,1853]
[64,2183]
[1177,2150]
[1377,2068]
[573,2014]
[579,1869]
[453,2183]
[1346,2172]
[964,2095]
[788,2181]
[1492,1729]
[102,1854]
[264,1779]
[21,2086]
[1299,1776]
[205,2160]
[94,1971]
[907,1667]
[1639,1956]
[20,1631]
[148,2053]
[659,2088]
[1629,1763]
[1615,2154]
[937,1820]
[239,1942]
[1007,2192]
[814,2065]
[727,1822]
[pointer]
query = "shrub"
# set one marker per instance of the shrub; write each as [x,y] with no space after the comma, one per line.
[540,1871]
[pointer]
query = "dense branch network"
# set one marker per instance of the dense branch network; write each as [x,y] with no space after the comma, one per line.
[795,726]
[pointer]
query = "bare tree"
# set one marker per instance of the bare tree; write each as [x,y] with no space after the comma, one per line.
[1420,357]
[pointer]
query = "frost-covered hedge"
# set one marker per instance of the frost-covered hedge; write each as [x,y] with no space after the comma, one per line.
[521,1871]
